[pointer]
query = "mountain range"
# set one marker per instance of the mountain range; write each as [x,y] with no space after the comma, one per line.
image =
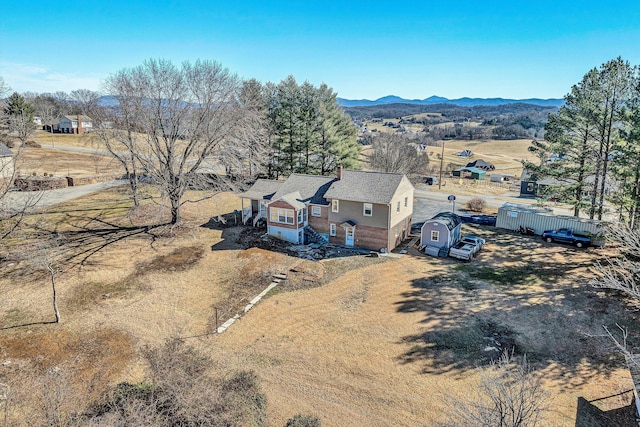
[463,102]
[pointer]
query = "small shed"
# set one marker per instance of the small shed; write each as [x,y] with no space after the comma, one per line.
[440,232]
[512,216]
[471,173]
[481,164]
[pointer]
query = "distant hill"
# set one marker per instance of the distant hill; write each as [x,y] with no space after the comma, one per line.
[462,102]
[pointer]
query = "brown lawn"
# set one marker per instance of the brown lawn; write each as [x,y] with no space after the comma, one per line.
[355,341]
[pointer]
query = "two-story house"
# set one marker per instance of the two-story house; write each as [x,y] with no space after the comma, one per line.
[370,210]
[75,124]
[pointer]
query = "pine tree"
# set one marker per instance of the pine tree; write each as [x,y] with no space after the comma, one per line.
[19,115]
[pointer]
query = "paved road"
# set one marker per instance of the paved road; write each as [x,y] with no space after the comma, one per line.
[429,203]
[17,199]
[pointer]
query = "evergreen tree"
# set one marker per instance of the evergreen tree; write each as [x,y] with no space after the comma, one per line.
[309,131]
[19,115]
[626,160]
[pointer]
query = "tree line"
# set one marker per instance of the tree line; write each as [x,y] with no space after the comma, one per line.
[592,144]
[201,126]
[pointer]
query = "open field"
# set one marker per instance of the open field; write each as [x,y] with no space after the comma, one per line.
[86,140]
[66,163]
[372,342]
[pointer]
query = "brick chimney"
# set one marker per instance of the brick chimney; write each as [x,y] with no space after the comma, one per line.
[80,130]
[339,172]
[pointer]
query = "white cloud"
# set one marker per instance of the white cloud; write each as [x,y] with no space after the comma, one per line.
[38,78]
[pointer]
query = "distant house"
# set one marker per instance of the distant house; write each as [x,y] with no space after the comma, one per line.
[77,124]
[465,153]
[6,165]
[440,233]
[481,164]
[471,173]
[370,210]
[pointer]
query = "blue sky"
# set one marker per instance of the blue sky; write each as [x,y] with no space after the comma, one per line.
[508,49]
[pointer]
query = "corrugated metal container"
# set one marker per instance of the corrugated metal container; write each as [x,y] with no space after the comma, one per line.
[512,216]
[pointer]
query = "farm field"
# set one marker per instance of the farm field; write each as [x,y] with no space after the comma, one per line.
[359,341]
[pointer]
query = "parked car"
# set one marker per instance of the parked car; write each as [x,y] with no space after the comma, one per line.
[466,248]
[566,235]
[479,219]
[431,180]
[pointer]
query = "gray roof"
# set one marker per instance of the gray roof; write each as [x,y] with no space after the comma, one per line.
[293,199]
[5,151]
[263,189]
[82,117]
[312,188]
[361,186]
[449,219]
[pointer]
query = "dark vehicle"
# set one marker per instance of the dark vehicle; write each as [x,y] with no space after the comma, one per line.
[479,219]
[566,235]
[431,180]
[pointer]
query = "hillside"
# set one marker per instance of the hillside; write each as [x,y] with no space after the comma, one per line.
[464,102]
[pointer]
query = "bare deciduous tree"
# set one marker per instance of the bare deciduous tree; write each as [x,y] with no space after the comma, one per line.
[392,153]
[187,122]
[621,274]
[506,394]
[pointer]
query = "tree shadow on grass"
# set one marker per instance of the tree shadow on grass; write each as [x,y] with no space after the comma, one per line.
[473,312]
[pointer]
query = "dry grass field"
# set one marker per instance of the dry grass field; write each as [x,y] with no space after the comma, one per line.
[358,341]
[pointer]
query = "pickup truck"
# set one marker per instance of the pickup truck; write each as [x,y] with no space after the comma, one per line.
[466,248]
[566,235]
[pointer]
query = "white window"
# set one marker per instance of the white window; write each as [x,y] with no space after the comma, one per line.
[316,211]
[300,216]
[332,229]
[398,207]
[397,230]
[334,206]
[284,216]
[435,236]
[406,202]
[404,226]
[367,209]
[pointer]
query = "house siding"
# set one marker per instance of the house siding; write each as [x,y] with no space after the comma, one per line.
[319,223]
[353,211]
[366,237]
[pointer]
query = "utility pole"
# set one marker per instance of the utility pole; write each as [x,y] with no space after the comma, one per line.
[441,160]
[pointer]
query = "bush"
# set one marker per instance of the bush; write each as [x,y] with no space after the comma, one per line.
[303,421]
[476,205]
[32,144]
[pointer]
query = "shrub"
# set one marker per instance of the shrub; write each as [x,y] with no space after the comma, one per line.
[303,421]
[476,205]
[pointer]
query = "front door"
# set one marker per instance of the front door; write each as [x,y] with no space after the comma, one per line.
[348,236]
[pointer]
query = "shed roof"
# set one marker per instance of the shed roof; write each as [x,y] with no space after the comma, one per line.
[526,208]
[262,189]
[5,151]
[449,219]
[365,186]
[311,188]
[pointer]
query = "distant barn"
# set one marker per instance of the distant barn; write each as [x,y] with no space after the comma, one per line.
[481,164]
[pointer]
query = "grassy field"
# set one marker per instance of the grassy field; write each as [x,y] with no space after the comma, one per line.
[358,341]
